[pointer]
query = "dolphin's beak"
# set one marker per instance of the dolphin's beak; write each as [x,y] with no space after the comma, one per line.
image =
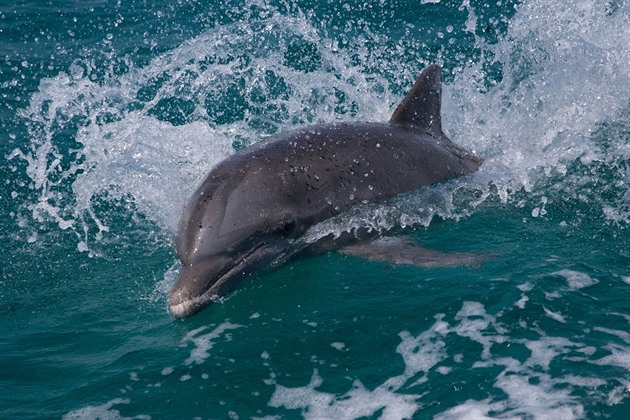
[201,283]
[197,286]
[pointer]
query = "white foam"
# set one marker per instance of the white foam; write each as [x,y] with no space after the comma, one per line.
[357,402]
[473,321]
[521,302]
[528,386]
[425,353]
[555,315]
[618,393]
[546,349]
[444,370]
[576,279]
[542,400]
[473,410]
[153,161]
[421,353]
[531,393]
[624,316]
[624,335]
[619,356]
[103,412]
[205,342]
[338,345]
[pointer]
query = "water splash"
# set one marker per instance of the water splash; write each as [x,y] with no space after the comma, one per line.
[563,82]
[541,103]
[143,139]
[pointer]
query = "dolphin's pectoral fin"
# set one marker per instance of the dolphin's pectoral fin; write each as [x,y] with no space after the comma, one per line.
[399,251]
[422,106]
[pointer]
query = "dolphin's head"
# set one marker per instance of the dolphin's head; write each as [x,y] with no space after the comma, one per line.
[227,230]
[206,279]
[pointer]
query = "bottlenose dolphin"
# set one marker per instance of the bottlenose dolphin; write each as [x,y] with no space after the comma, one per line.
[253,206]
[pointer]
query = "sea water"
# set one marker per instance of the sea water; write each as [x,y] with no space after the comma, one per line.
[113,111]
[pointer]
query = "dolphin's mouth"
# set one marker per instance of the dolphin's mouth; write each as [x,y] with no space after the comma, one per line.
[184,300]
[201,284]
[190,306]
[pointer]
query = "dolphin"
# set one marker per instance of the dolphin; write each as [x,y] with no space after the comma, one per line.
[253,206]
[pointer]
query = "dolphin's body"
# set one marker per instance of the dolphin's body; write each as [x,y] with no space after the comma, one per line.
[253,206]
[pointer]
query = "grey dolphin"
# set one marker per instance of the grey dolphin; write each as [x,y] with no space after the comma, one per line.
[253,206]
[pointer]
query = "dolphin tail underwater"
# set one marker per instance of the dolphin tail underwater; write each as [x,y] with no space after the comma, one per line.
[254,207]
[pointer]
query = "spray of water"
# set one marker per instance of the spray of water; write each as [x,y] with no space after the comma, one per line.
[145,138]
[557,117]
[539,103]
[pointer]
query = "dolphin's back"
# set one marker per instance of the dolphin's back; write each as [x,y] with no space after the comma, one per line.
[326,169]
[306,176]
[302,177]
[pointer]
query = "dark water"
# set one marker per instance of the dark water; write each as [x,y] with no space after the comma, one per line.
[112,113]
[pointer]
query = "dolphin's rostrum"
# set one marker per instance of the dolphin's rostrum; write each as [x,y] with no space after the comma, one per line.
[253,206]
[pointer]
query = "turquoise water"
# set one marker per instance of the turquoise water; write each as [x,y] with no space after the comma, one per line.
[112,113]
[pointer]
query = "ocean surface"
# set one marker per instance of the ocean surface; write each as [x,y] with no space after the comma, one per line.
[111,113]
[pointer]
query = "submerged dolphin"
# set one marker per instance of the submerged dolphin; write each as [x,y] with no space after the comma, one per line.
[253,206]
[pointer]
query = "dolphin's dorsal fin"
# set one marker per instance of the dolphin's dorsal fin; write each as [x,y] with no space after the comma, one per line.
[422,106]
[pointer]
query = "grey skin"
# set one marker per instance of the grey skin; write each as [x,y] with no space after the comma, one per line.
[254,206]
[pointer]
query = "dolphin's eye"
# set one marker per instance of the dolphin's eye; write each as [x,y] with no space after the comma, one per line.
[288,227]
